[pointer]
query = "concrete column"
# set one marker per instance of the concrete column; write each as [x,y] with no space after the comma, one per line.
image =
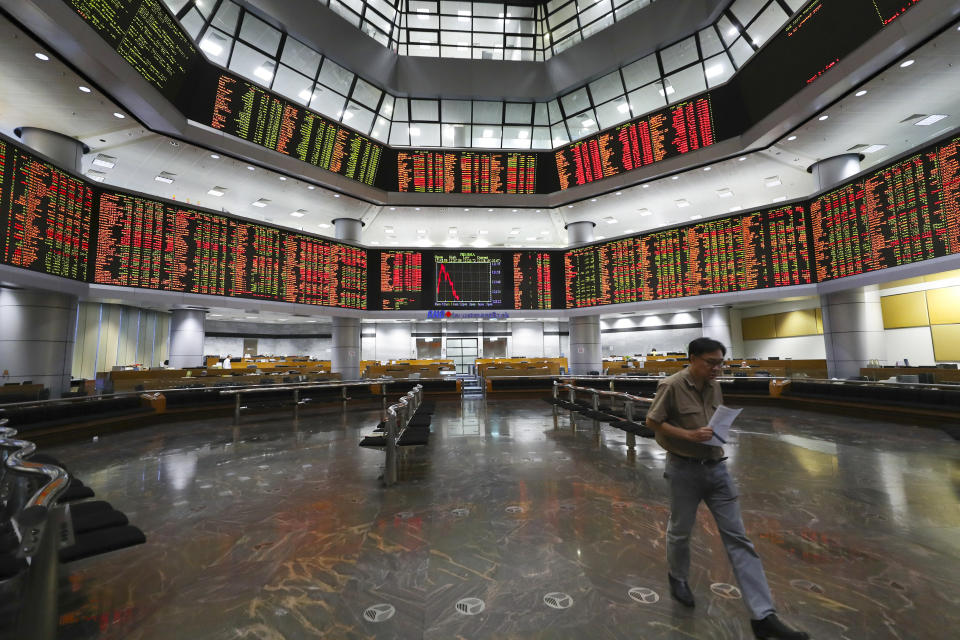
[585,355]
[832,171]
[63,150]
[37,331]
[580,232]
[345,352]
[852,330]
[186,338]
[347,229]
[716,325]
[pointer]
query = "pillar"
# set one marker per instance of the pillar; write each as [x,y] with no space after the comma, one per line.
[36,337]
[585,353]
[347,229]
[852,330]
[186,338]
[345,353]
[832,171]
[580,232]
[64,151]
[716,325]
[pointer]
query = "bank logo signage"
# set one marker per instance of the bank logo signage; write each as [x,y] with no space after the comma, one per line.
[441,314]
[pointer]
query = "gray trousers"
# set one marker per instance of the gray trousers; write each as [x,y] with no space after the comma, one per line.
[689,484]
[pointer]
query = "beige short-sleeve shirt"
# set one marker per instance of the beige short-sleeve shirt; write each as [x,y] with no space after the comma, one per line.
[680,403]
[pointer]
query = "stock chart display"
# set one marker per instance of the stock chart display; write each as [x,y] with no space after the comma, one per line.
[401,280]
[146,35]
[904,213]
[465,172]
[468,280]
[142,242]
[681,128]
[755,250]
[242,109]
[45,216]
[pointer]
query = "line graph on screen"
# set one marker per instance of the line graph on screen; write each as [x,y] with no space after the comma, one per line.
[463,282]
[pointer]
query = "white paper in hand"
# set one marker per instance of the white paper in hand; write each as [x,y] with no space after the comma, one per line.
[721,421]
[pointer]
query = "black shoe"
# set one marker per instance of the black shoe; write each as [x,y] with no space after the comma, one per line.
[771,627]
[680,591]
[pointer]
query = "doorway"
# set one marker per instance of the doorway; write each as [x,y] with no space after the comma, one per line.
[463,352]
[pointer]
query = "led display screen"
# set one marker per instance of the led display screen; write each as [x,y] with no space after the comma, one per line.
[465,172]
[45,216]
[755,250]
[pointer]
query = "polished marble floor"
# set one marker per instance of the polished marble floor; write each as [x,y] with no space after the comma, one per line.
[509,525]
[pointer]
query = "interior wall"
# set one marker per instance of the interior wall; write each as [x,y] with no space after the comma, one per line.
[640,335]
[110,335]
[808,347]
[309,339]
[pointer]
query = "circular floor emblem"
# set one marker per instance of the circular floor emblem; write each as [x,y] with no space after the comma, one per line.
[568,507]
[558,600]
[725,590]
[806,585]
[379,612]
[621,505]
[514,509]
[460,513]
[405,515]
[644,595]
[470,606]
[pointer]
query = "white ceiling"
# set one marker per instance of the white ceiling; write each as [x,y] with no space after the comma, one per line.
[45,94]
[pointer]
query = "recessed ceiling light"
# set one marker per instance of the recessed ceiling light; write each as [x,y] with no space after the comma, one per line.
[874,148]
[514,231]
[609,220]
[311,187]
[261,203]
[84,89]
[779,198]
[725,192]
[283,178]
[105,161]
[772,181]
[630,231]
[929,120]
[323,225]
[483,232]
[251,168]
[117,114]
[906,63]
[336,195]
[707,168]
[422,232]
[823,117]
[591,200]
[452,231]
[216,315]
[675,177]
[217,191]
[93,174]
[393,208]
[735,207]
[165,176]
[489,210]
[791,138]
[388,229]
[742,158]
[619,193]
[214,156]
[530,238]
[466,209]
[41,56]
[696,217]
[299,213]
[514,211]
[644,212]
[681,203]
[861,93]
[600,237]
[374,242]
[569,206]
[646,186]
[417,209]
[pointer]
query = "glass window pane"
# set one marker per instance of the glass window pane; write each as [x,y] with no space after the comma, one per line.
[679,55]
[455,38]
[488,24]
[488,54]
[613,112]
[423,37]
[328,102]
[745,10]
[300,57]
[562,16]
[400,134]
[344,12]
[685,83]
[487,111]
[358,117]
[400,110]
[381,129]
[365,93]
[559,134]
[252,64]
[590,11]
[795,5]
[455,110]
[193,22]
[575,101]
[425,50]
[555,114]
[293,85]
[519,42]
[487,9]
[647,99]
[386,107]
[205,7]
[520,12]
[741,51]
[424,110]
[216,46]
[597,26]
[516,137]
[487,136]
[728,32]
[258,33]
[519,112]
[456,135]
[609,86]
[540,113]
[641,72]
[767,24]
[455,52]
[175,5]
[335,76]
[226,17]
[424,134]
[710,42]
[541,138]
[488,40]
[718,69]
[582,125]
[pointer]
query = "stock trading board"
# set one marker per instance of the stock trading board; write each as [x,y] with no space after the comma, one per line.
[242,109]
[904,213]
[755,250]
[681,128]
[146,35]
[45,216]
[465,172]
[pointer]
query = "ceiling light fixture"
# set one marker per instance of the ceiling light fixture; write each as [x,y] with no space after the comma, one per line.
[93,174]
[929,120]
[644,212]
[336,195]
[323,225]
[166,177]
[823,117]
[105,161]
[735,207]
[906,63]
[260,203]
[84,89]
[791,138]
[874,148]
[726,192]
[696,217]
[250,168]
[682,203]
[217,191]
[299,213]
[311,187]
[861,93]
[283,178]
[779,199]
[117,114]
[41,56]
[619,193]
[214,156]
[707,168]
[772,181]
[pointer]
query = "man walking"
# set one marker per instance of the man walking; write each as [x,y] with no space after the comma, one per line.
[679,415]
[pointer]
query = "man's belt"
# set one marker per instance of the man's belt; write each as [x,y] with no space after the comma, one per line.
[704,461]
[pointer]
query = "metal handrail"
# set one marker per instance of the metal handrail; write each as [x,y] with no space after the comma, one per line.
[410,400]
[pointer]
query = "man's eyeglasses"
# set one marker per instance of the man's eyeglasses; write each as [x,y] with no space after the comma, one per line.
[713,363]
